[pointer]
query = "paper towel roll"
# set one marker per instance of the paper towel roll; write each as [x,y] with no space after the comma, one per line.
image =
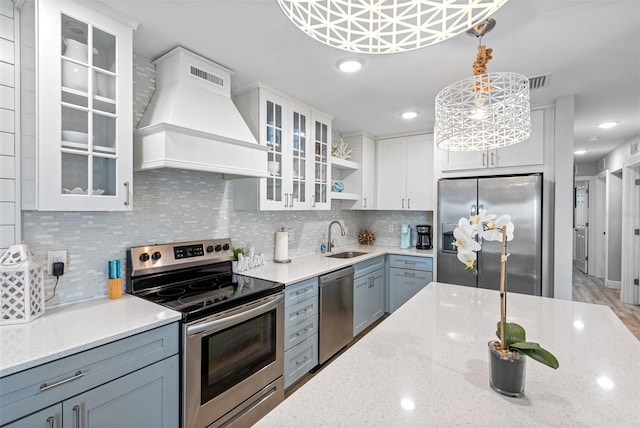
[282,247]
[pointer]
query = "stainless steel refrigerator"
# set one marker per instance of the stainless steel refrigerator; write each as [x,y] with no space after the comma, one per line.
[520,197]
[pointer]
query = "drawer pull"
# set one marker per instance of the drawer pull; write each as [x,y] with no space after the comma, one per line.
[303,331]
[409,273]
[409,263]
[304,290]
[78,375]
[51,420]
[76,412]
[306,357]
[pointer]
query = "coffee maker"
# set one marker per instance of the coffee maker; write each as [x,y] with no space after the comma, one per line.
[423,241]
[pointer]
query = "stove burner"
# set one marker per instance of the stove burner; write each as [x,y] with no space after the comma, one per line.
[205,285]
[171,292]
[214,296]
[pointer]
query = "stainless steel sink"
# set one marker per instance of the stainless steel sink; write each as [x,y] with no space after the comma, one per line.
[346,255]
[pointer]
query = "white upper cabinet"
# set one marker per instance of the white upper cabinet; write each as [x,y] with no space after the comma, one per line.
[405,173]
[528,152]
[77,125]
[321,128]
[298,156]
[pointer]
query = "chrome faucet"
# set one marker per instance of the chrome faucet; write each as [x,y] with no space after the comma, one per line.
[330,244]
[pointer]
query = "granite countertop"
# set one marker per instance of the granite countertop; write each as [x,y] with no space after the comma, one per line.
[426,365]
[65,330]
[310,266]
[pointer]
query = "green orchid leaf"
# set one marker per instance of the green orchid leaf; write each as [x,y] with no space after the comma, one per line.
[512,333]
[535,351]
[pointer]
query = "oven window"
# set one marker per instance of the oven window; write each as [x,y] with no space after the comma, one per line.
[232,355]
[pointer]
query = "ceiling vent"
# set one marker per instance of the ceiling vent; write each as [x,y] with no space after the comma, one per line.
[539,82]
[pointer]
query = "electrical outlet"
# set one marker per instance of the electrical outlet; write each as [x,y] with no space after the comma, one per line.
[390,228]
[291,235]
[56,256]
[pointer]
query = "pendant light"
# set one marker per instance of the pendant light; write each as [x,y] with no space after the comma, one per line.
[486,111]
[385,26]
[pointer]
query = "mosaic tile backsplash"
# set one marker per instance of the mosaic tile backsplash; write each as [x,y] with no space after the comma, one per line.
[175,205]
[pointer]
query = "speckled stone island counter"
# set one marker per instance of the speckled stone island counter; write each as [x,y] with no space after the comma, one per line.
[426,365]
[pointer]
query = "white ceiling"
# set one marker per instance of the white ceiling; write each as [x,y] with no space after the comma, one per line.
[591,49]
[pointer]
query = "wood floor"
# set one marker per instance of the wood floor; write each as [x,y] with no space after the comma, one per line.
[589,289]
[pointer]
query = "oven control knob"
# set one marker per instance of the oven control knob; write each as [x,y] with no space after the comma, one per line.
[210,249]
[218,247]
[225,247]
[144,257]
[156,255]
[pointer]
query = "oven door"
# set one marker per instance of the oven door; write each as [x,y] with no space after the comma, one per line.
[230,357]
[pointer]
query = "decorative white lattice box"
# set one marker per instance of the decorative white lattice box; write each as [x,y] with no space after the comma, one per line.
[21,286]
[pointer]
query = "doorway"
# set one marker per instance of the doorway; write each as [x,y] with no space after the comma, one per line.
[581,226]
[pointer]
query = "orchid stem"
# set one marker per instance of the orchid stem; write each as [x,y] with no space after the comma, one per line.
[503,297]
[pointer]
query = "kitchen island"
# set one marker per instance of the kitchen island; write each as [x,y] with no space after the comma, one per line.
[426,365]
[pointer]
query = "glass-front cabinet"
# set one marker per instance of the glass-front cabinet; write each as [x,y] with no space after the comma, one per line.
[83,126]
[321,161]
[297,158]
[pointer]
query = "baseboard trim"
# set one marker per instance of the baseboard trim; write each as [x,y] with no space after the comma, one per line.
[613,284]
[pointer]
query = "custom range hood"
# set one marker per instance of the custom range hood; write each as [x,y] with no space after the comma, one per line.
[191,122]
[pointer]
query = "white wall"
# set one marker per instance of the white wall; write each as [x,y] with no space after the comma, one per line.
[615,159]
[9,185]
[563,199]
[614,211]
[586,169]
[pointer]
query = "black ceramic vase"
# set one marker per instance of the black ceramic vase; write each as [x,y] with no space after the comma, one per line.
[506,371]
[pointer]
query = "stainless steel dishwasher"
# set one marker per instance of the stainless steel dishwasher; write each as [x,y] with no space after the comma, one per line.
[336,312]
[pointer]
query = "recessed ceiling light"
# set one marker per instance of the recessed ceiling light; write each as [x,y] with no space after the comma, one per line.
[579,152]
[607,125]
[350,65]
[411,114]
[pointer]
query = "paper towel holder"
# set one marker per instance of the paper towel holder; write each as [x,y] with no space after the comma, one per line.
[284,241]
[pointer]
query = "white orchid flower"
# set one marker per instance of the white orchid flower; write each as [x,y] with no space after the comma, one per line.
[494,229]
[469,260]
[466,225]
[478,221]
[464,242]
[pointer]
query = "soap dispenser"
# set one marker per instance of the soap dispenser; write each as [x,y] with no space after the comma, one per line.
[405,236]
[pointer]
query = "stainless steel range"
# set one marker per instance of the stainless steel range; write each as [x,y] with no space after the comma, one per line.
[232,329]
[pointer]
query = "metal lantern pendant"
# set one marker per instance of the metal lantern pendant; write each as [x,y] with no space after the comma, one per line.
[486,111]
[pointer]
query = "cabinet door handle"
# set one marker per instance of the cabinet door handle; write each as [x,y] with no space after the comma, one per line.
[313,199]
[78,375]
[365,203]
[51,421]
[290,200]
[493,161]
[126,199]
[484,163]
[286,200]
[76,413]
[402,203]
[409,203]
[473,210]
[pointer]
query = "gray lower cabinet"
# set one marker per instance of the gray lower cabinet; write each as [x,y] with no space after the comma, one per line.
[407,276]
[132,382]
[368,293]
[300,330]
